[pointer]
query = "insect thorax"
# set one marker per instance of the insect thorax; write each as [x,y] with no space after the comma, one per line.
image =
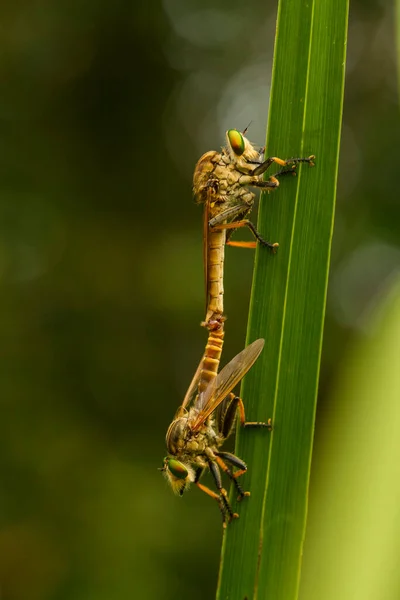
[184,443]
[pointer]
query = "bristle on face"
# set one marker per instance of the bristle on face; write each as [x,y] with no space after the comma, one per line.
[179,475]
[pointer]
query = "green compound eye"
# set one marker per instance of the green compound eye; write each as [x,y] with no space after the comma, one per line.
[177,469]
[236,141]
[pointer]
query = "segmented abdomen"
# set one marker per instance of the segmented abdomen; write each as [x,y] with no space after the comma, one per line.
[212,357]
[215,273]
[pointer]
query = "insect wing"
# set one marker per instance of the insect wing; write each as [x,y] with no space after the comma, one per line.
[205,244]
[226,380]
[192,389]
[229,214]
[204,190]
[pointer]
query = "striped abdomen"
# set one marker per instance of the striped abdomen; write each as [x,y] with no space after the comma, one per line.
[215,273]
[212,356]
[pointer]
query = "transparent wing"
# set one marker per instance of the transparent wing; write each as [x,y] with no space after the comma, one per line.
[226,380]
[204,189]
[192,389]
[205,245]
[229,214]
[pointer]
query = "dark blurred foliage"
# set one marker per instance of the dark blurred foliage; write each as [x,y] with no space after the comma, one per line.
[104,110]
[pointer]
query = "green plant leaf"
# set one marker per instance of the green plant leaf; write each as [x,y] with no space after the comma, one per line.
[398,42]
[353,543]
[262,551]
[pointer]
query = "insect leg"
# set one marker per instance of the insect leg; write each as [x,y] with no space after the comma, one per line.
[223,494]
[291,171]
[267,163]
[283,162]
[234,460]
[236,216]
[295,160]
[198,474]
[210,493]
[270,184]
[231,214]
[251,245]
[245,423]
[216,497]
[249,224]
[233,476]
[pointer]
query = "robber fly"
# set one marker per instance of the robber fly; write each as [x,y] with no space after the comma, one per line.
[221,182]
[200,428]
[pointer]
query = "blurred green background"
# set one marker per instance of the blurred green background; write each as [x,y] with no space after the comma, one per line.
[105,108]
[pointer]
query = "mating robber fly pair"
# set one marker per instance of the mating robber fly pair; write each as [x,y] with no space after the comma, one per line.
[208,413]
